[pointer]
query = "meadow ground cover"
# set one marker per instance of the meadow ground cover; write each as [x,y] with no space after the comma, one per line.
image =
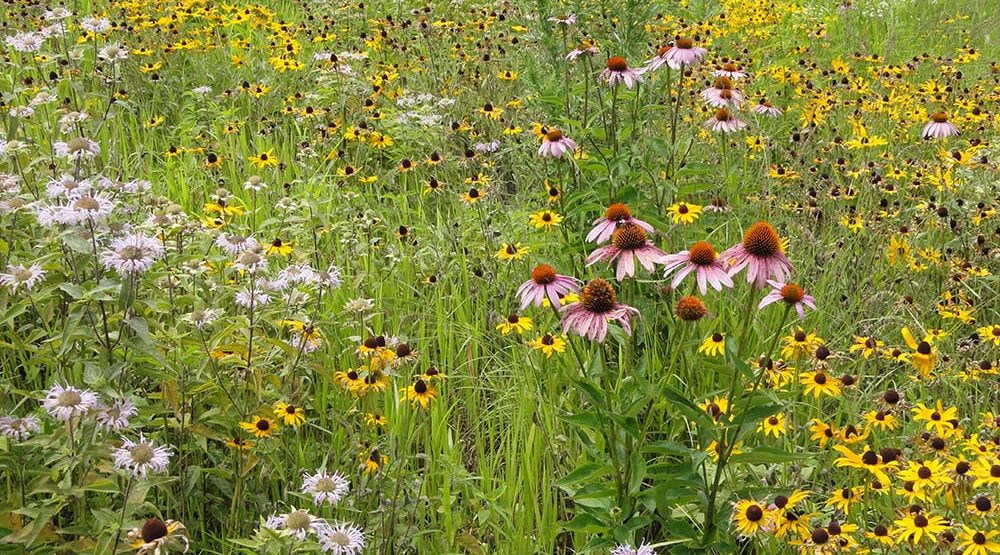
[635,278]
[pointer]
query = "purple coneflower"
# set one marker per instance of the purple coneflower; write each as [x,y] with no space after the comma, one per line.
[792,294]
[701,259]
[660,60]
[618,72]
[629,243]
[939,127]
[583,49]
[765,108]
[545,283]
[598,305]
[725,121]
[555,144]
[730,70]
[616,214]
[722,94]
[760,254]
[685,53]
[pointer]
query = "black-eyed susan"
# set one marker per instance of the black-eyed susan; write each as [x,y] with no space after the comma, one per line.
[819,383]
[514,323]
[279,247]
[289,415]
[977,542]
[548,344]
[260,426]
[264,159]
[751,517]
[800,344]
[713,345]
[684,212]
[916,526]
[822,432]
[240,444]
[372,461]
[986,472]
[512,251]
[866,345]
[420,392]
[845,498]
[376,421]
[773,425]
[546,220]
[938,419]
[473,195]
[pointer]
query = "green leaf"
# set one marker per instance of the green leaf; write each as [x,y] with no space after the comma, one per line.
[637,472]
[588,419]
[581,473]
[586,524]
[768,455]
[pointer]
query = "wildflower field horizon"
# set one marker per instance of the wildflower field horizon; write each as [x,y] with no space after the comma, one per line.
[680,277]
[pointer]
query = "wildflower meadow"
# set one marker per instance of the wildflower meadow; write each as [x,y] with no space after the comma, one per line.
[289,277]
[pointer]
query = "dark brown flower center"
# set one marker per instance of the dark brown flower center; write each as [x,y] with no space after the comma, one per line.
[754,513]
[723,115]
[761,240]
[792,293]
[617,212]
[420,387]
[684,43]
[263,425]
[723,82]
[939,117]
[543,274]
[617,63]
[554,135]
[690,309]
[153,530]
[598,296]
[629,236]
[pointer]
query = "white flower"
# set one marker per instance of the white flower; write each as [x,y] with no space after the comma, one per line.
[329,279]
[57,13]
[21,276]
[325,488]
[116,416]
[95,24]
[84,208]
[25,42]
[626,549]
[113,53]
[19,429]
[12,147]
[250,262]
[65,402]
[203,318]
[255,183]
[298,273]
[132,254]
[67,186]
[205,89]
[141,457]
[234,244]
[341,538]
[23,112]
[77,148]
[252,300]
[297,523]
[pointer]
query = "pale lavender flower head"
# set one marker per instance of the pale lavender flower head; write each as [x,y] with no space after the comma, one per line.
[202,318]
[117,415]
[85,208]
[64,402]
[629,244]
[297,523]
[759,253]
[19,429]
[567,20]
[142,457]
[341,538]
[250,262]
[703,261]
[325,488]
[791,294]
[627,549]
[616,214]
[555,145]
[545,283]
[252,300]
[234,244]
[939,127]
[132,254]
[598,305]
[18,276]
[618,71]
[79,148]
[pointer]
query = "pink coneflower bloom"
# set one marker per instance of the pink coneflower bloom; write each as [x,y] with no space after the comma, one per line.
[616,214]
[660,60]
[545,283]
[730,70]
[722,94]
[629,243]
[685,53]
[760,254]
[792,294]
[765,108]
[568,19]
[618,72]
[555,144]
[598,305]
[725,121]
[701,259]
[939,127]
[580,51]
